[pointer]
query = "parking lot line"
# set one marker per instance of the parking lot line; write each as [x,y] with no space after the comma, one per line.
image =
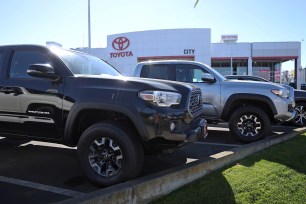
[218,144]
[218,128]
[39,186]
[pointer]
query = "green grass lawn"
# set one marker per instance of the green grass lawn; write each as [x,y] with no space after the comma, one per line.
[274,175]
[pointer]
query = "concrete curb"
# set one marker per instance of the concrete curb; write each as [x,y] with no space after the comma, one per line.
[147,188]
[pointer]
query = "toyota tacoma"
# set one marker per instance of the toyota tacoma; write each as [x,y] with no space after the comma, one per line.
[248,106]
[76,99]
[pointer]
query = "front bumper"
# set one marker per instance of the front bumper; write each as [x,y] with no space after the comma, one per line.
[193,134]
[196,130]
[200,132]
[174,134]
[287,116]
[285,109]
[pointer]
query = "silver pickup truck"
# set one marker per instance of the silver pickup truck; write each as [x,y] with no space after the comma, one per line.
[248,106]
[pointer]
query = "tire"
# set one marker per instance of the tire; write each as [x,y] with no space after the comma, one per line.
[108,153]
[249,124]
[300,119]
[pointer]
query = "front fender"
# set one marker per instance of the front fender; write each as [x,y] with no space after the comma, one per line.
[77,108]
[240,97]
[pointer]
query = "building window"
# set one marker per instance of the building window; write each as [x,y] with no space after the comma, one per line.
[268,69]
[240,66]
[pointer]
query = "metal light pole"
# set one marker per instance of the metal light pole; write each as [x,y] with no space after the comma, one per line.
[89,34]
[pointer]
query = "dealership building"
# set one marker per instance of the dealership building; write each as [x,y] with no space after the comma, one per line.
[229,57]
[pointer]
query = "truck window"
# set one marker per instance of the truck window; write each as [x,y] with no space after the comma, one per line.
[81,63]
[156,72]
[189,73]
[21,61]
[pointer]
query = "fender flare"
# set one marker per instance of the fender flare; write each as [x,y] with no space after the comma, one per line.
[244,96]
[125,109]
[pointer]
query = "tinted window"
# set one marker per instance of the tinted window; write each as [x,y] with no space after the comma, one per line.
[189,73]
[22,60]
[156,72]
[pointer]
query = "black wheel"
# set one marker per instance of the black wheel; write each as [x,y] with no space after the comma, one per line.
[249,124]
[109,154]
[300,119]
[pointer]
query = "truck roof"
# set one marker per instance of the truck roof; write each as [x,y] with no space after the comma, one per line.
[23,46]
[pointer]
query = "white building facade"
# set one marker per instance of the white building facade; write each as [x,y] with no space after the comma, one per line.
[263,59]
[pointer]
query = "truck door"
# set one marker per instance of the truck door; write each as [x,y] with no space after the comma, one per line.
[190,73]
[30,106]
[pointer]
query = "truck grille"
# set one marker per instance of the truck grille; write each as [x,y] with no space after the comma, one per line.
[195,105]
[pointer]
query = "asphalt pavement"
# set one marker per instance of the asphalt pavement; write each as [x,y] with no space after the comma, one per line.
[40,172]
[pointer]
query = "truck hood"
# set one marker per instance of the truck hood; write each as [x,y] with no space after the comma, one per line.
[136,83]
[258,84]
[257,87]
[120,88]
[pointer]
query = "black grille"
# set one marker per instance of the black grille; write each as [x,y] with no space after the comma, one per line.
[195,105]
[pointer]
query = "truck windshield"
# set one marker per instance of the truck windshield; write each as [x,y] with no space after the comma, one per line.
[81,63]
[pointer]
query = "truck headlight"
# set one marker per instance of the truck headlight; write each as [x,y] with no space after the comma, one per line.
[161,98]
[281,92]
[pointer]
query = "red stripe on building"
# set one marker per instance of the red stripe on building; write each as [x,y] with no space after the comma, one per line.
[256,58]
[275,58]
[228,58]
[166,57]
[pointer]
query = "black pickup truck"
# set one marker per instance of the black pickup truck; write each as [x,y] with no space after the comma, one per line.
[72,98]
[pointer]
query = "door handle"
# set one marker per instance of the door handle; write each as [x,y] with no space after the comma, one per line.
[7,90]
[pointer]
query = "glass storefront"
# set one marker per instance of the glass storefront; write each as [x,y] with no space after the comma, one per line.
[268,69]
[240,66]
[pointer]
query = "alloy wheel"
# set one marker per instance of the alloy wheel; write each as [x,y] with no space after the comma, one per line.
[249,125]
[105,157]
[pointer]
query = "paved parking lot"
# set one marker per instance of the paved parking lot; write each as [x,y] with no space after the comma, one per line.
[38,172]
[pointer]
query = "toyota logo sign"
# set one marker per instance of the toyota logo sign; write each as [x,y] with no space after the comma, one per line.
[121,43]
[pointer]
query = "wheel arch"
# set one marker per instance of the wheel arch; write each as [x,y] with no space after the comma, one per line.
[72,131]
[241,99]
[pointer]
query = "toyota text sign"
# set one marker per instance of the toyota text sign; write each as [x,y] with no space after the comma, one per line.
[120,44]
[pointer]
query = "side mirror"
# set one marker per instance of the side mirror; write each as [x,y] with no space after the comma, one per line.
[42,71]
[206,77]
